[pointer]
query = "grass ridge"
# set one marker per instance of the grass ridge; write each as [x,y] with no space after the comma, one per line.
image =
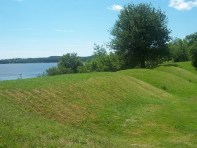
[131,108]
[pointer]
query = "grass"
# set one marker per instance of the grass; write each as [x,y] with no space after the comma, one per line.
[131,108]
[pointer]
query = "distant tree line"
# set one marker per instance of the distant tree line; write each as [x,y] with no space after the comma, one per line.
[184,49]
[51,59]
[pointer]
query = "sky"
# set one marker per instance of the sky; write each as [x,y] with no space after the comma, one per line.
[42,28]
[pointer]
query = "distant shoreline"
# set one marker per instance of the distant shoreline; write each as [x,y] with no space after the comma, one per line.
[51,59]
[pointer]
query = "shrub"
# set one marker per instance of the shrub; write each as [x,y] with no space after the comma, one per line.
[194,56]
[69,63]
[53,71]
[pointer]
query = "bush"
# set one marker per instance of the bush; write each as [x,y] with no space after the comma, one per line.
[69,63]
[179,50]
[102,61]
[53,71]
[193,53]
[192,43]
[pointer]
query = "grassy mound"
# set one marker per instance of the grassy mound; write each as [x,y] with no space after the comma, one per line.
[131,108]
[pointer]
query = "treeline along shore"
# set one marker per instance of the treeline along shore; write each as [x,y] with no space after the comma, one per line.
[51,59]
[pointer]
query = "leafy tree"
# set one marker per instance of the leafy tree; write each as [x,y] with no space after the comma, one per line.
[192,43]
[99,51]
[102,61]
[69,63]
[140,35]
[192,38]
[179,50]
[194,56]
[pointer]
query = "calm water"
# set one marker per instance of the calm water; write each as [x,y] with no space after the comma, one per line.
[24,71]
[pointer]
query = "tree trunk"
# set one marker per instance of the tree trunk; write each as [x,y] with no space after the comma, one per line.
[142,63]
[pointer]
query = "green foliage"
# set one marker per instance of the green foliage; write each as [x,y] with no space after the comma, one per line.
[192,38]
[184,50]
[53,71]
[140,35]
[99,50]
[193,52]
[179,50]
[102,61]
[99,62]
[192,43]
[69,63]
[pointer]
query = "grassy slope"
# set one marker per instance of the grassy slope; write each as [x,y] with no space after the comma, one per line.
[132,108]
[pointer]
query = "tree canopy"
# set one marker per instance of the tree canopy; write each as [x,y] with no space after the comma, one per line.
[69,63]
[192,45]
[179,51]
[140,35]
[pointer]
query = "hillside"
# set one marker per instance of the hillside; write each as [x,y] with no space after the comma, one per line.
[131,108]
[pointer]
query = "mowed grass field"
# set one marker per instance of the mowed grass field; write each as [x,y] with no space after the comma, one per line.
[132,108]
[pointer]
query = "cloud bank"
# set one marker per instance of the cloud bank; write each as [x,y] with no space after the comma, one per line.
[183,4]
[115,7]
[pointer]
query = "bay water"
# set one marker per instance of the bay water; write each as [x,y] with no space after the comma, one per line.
[23,71]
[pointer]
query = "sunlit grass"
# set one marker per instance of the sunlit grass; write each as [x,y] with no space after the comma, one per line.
[132,108]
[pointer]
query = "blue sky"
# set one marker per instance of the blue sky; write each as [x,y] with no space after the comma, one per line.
[41,28]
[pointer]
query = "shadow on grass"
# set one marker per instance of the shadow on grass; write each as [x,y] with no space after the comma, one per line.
[170,64]
[165,64]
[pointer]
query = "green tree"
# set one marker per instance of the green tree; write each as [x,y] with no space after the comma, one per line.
[102,61]
[179,50]
[140,35]
[194,56]
[192,45]
[69,63]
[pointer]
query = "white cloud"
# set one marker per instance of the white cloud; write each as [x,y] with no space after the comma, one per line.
[183,4]
[115,7]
